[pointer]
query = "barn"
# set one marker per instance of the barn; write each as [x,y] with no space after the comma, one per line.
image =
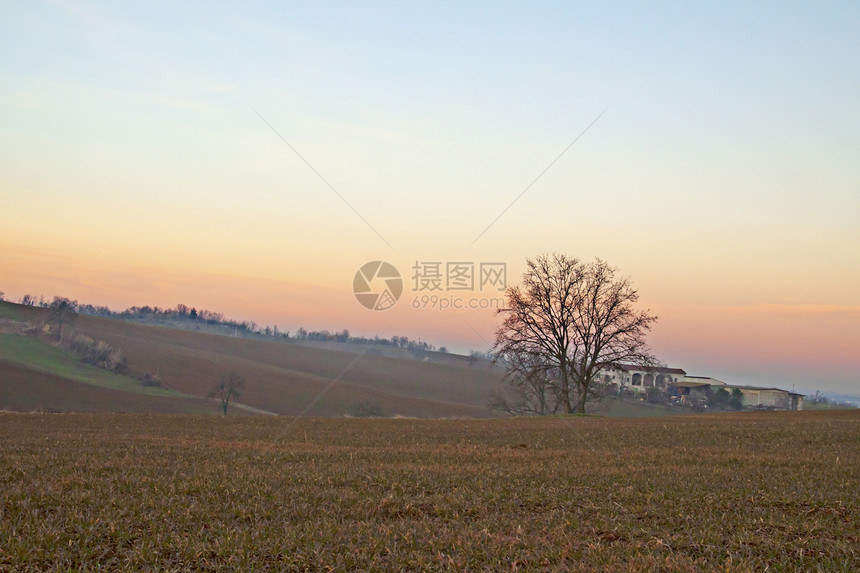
[770,398]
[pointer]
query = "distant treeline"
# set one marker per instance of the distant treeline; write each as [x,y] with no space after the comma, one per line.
[187,317]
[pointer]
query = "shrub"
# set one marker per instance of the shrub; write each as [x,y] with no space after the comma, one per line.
[150,380]
[736,402]
[98,353]
[655,395]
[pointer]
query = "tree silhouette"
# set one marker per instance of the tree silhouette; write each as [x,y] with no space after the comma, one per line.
[62,311]
[575,319]
[228,388]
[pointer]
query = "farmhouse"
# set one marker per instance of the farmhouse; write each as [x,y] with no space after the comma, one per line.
[638,378]
[685,389]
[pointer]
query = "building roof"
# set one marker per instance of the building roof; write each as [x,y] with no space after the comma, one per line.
[770,389]
[709,379]
[659,369]
[689,384]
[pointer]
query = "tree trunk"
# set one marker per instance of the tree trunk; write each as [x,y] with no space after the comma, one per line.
[564,386]
[580,399]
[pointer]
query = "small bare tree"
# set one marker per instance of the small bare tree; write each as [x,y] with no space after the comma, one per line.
[229,388]
[572,320]
[62,311]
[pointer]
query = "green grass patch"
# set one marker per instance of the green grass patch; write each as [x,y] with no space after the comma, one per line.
[810,407]
[635,409]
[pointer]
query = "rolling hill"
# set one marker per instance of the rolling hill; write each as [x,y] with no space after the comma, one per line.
[288,378]
[37,376]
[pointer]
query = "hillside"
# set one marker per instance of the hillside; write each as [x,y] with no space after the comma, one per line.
[289,377]
[37,376]
[281,377]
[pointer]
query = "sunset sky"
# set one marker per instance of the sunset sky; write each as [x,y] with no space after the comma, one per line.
[722,173]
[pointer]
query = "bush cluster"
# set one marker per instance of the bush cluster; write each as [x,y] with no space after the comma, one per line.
[150,380]
[98,353]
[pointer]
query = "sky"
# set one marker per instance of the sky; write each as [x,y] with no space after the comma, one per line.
[249,159]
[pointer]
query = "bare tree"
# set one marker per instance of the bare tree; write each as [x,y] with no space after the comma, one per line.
[62,311]
[530,386]
[569,320]
[229,388]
